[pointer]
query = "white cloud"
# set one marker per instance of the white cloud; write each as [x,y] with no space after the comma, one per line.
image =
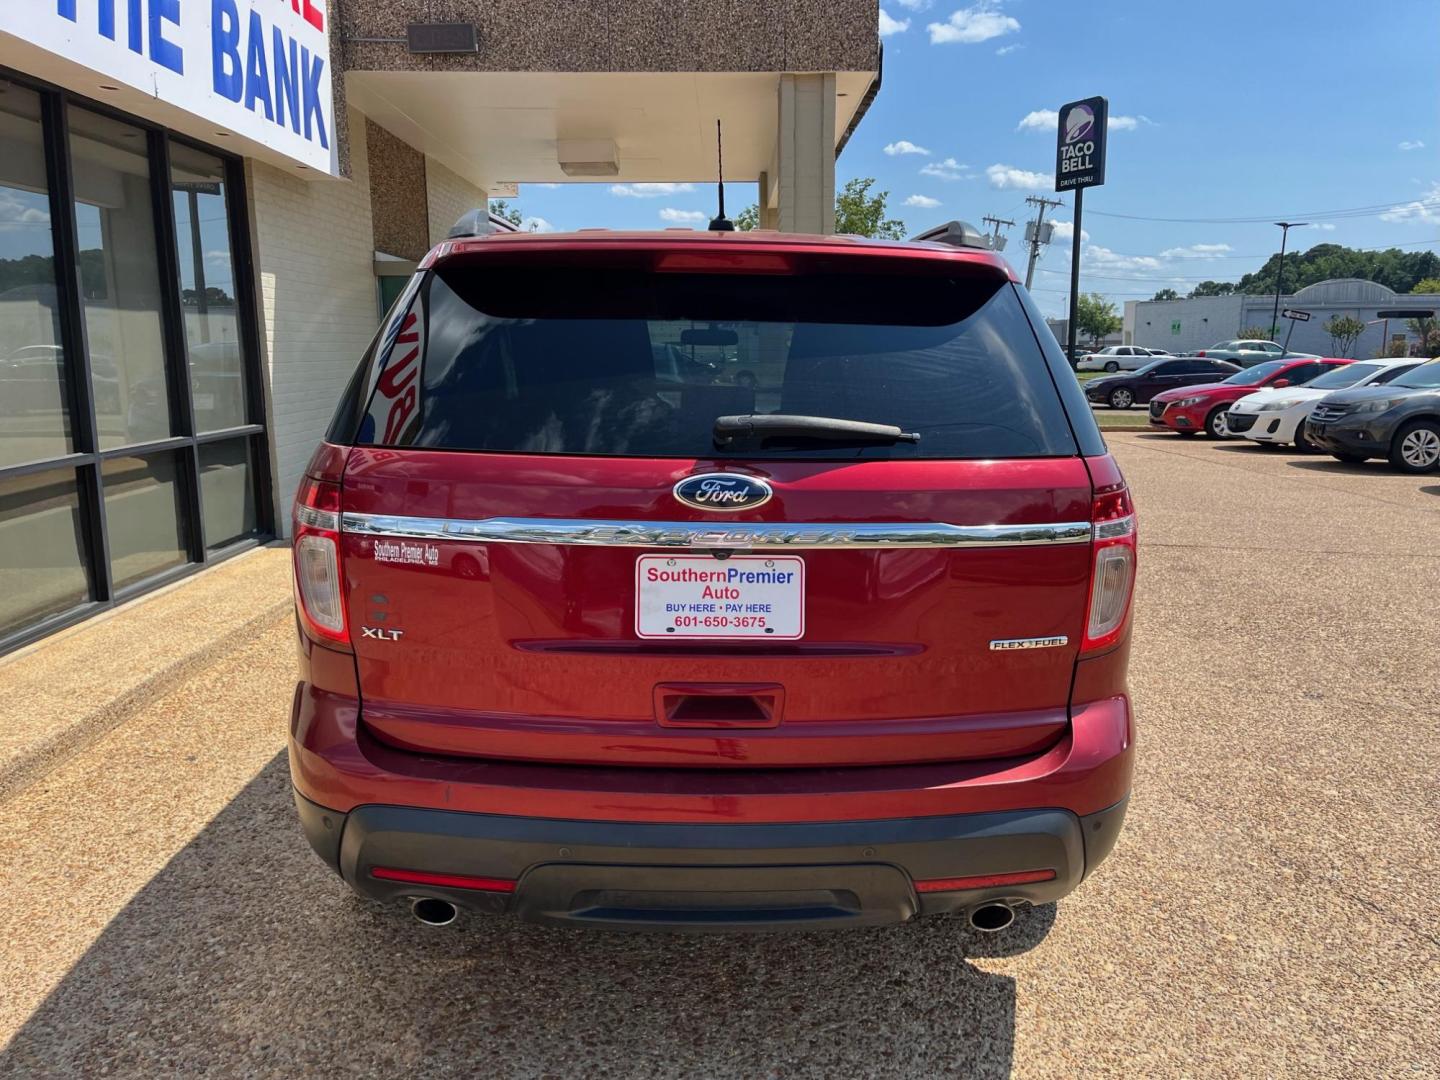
[949,169]
[650,191]
[1047,120]
[546,186]
[972,25]
[17,213]
[1425,210]
[890,25]
[915,5]
[1065,230]
[922,201]
[1412,144]
[1006,50]
[1324,226]
[1006,177]
[1039,120]
[1102,257]
[217,256]
[683,217]
[538,224]
[905,146]
[1196,251]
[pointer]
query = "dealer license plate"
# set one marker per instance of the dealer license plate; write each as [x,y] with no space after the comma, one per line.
[700,596]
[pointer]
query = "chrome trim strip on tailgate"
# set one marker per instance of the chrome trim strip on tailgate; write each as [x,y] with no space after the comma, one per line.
[690,534]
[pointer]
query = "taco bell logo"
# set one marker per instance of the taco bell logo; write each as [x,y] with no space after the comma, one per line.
[1079,122]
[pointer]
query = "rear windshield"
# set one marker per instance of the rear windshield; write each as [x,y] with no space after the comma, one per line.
[628,362]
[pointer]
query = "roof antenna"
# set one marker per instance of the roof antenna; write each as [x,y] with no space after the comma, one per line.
[720,223]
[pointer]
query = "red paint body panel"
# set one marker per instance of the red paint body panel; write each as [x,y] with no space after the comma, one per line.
[509,650]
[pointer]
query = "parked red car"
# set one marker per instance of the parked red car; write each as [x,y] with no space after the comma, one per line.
[601,645]
[1193,409]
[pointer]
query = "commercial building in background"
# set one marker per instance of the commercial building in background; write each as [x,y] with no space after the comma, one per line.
[205,208]
[1188,325]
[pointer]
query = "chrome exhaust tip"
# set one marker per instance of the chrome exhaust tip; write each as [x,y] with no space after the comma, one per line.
[991,918]
[433,911]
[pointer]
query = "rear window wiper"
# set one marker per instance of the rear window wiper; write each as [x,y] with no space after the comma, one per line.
[825,428]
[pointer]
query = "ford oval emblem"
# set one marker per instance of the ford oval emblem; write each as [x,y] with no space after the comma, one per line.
[723,491]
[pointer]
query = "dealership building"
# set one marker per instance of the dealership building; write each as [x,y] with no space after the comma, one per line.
[206,207]
[1187,325]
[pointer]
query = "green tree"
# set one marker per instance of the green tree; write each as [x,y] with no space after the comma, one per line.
[1427,333]
[1344,331]
[748,219]
[1095,317]
[1429,286]
[859,213]
[509,213]
[1254,333]
[1212,288]
[1166,294]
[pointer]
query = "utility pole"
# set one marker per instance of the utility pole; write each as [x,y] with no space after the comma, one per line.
[997,242]
[1034,231]
[1285,227]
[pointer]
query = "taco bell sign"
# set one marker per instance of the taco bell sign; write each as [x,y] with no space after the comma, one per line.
[1080,144]
[257,68]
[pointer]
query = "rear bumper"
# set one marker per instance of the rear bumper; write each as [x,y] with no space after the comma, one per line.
[628,875]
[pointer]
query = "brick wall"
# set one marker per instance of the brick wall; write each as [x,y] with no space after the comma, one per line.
[449,196]
[314,255]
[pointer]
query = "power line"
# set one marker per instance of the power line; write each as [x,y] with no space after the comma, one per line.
[1265,219]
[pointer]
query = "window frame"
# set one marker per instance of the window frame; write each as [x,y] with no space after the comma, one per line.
[87,458]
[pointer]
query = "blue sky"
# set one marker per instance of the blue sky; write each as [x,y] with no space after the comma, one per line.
[1231,109]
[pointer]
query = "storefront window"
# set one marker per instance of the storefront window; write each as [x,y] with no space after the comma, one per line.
[227,490]
[120,280]
[92,286]
[42,562]
[142,516]
[207,288]
[34,414]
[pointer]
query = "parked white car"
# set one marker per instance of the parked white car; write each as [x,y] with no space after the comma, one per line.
[1118,358]
[1272,417]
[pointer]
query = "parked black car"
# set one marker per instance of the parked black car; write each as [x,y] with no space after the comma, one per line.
[1137,387]
[1399,421]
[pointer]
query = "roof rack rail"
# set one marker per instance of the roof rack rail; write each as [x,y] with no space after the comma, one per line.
[480,222]
[956,234]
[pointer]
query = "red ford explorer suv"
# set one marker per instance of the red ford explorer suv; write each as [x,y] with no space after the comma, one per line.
[1190,410]
[713,581]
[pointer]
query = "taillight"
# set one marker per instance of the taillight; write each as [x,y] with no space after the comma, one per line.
[1200,353]
[1112,580]
[320,592]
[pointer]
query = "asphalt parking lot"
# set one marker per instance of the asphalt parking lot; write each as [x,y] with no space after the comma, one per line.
[1270,910]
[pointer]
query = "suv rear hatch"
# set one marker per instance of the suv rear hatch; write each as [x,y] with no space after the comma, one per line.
[530,571]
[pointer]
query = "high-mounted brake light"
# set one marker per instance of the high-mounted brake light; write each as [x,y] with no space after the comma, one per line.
[320,592]
[1112,581]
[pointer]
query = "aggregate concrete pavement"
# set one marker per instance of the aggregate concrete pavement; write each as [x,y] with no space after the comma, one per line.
[1270,910]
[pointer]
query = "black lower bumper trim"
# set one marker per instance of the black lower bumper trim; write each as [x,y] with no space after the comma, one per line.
[623,875]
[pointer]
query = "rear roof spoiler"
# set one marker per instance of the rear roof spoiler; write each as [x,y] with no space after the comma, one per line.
[480,222]
[956,234]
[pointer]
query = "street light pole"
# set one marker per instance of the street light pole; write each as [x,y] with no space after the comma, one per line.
[1285,227]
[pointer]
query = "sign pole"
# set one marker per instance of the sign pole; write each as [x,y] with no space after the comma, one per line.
[1071,324]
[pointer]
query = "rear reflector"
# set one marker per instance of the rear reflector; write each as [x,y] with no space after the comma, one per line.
[983,881]
[443,881]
